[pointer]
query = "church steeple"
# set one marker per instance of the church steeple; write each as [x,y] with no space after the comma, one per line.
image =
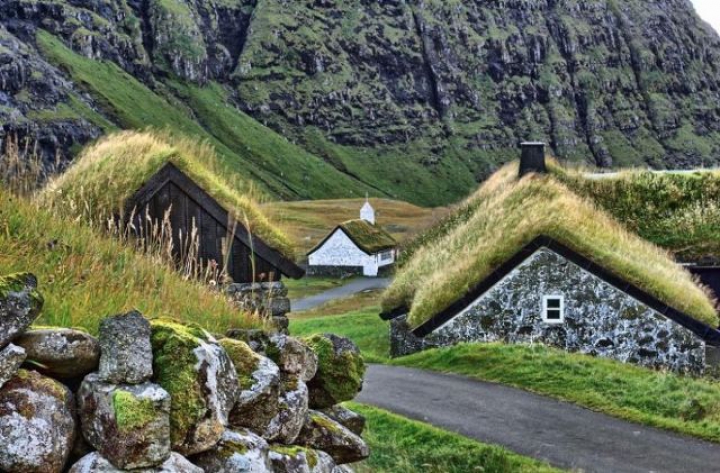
[367,212]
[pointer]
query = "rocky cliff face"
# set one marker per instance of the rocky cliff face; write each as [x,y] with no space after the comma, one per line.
[441,89]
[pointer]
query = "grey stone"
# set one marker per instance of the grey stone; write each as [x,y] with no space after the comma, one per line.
[20,305]
[342,469]
[277,306]
[286,425]
[237,452]
[125,349]
[257,339]
[62,352]
[322,433]
[95,463]
[129,424]
[280,324]
[274,289]
[300,460]
[11,358]
[259,378]
[340,370]
[600,319]
[37,428]
[289,353]
[202,381]
[349,419]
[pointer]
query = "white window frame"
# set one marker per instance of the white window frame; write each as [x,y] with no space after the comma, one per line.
[545,308]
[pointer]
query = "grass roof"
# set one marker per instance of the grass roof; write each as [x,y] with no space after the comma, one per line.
[111,171]
[508,214]
[370,238]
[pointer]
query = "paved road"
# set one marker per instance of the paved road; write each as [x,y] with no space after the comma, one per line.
[353,287]
[560,433]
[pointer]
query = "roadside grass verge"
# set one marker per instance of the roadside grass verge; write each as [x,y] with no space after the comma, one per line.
[661,399]
[356,302]
[401,445]
[311,285]
[85,276]
[363,327]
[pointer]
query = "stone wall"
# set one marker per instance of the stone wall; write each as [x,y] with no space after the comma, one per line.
[599,319]
[160,396]
[269,300]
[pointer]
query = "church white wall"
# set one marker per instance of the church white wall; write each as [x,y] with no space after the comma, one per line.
[339,250]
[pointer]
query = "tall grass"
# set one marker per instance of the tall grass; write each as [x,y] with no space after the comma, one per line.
[22,169]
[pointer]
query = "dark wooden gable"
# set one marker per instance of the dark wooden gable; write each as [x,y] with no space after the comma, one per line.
[251,259]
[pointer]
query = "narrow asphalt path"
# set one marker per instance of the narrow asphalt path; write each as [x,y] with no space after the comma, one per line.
[353,287]
[560,433]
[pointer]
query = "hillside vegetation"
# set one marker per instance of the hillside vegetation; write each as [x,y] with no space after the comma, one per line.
[85,275]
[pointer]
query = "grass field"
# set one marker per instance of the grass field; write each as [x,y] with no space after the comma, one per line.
[311,285]
[400,445]
[661,399]
[308,222]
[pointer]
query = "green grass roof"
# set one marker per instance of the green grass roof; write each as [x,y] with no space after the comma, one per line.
[370,238]
[507,214]
[108,173]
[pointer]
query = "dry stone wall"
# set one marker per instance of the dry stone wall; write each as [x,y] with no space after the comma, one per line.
[162,396]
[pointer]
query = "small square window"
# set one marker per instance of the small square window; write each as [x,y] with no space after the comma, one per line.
[553,309]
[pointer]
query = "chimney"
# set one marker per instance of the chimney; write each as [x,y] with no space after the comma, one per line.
[532,158]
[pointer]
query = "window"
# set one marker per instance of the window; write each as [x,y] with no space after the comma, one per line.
[553,309]
[386,255]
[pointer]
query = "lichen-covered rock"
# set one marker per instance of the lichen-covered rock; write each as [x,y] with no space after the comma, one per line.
[11,358]
[20,305]
[353,421]
[291,355]
[95,463]
[257,339]
[295,459]
[129,424]
[61,352]
[259,379]
[342,469]
[37,428]
[126,353]
[201,379]
[288,422]
[322,433]
[237,452]
[340,370]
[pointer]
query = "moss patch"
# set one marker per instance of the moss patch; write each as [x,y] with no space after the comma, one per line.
[370,238]
[130,412]
[339,374]
[174,363]
[295,451]
[245,360]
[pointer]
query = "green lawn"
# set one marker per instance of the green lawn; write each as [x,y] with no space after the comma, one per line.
[662,399]
[400,445]
[311,285]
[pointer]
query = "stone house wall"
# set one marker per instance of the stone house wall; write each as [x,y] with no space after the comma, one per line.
[599,319]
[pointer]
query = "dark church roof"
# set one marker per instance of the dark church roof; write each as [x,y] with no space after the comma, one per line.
[368,237]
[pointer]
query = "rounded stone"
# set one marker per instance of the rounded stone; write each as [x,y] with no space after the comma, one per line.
[61,352]
[95,463]
[340,370]
[125,350]
[237,452]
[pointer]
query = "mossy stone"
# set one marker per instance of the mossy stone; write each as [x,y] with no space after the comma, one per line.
[340,370]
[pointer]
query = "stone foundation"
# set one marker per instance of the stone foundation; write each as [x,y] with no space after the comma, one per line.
[269,299]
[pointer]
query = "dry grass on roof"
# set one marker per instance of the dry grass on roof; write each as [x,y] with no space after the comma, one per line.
[109,172]
[510,213]
[371,238]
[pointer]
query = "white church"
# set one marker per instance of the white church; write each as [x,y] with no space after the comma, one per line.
[356,246]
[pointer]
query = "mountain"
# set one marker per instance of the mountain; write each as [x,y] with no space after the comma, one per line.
[416,99]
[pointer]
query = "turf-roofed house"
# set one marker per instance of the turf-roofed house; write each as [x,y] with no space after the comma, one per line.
[545,254]
[159,185]
[358,246]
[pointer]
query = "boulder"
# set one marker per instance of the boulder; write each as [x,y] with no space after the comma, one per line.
[37,428]
[11,358]
[353,421]
[259,379]
[322,433]
[288,422]
[197,372]
[95,463]
[342,469]
[292,356]
[294,459]
[340,370]
[61,352]
[237,452]
[126,353]
[20,305]
[129,424]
